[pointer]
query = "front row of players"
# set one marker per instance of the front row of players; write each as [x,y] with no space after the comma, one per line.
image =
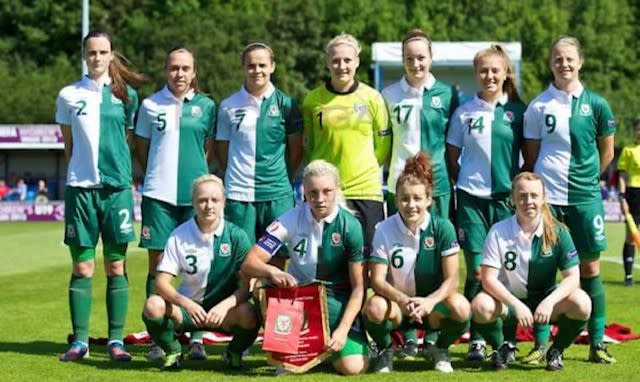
[413,272]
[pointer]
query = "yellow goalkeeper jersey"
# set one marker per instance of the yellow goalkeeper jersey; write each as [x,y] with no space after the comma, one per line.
[350,130]
[629,162]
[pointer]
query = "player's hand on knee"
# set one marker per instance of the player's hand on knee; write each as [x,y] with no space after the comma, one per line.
[216,316]
[523,315]
[542,315]
[338,339]
[197,313]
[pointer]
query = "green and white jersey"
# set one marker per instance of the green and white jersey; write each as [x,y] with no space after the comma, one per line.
[525,270]
[568,126]
[257,130]
[99,122]
[208,263]
[177,130]
[490,137]
[317,250]
[419,121]
[414,260]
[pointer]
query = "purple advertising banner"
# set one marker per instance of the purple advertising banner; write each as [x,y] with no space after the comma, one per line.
[31,212]
[31,136]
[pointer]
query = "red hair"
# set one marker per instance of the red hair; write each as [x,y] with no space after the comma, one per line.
[417,170]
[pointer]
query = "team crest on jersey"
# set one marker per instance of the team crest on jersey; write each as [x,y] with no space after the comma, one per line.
[508,116]
[115,100]
[547,253]
[429,242]
[360,109]
[284,323]
[196,111]
[273,111]
[436,102]
[336,239]
[585,109]
[225,249]
[71,230]
[145,233]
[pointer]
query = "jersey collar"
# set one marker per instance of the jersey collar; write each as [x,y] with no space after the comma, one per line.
[403,228]
[217,233]
[406,87]
[515,226]
[98,84]
[557,93]
[484,104]
[258,100]
[352,89]
[329,219]
[166,92]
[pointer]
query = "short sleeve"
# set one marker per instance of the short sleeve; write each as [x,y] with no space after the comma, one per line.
[379,251]
[455,135]
[491,250]
[381,128]
[170,262]
[623,161]
[223,125]
[294,120]
[278,233]
[568,255]
[213,119]
[63,114]
[606,121]
[143,124]
[131,108]
[531,128]
[354,241]
[447,240]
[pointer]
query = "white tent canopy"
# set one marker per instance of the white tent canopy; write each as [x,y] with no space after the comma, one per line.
[452,61]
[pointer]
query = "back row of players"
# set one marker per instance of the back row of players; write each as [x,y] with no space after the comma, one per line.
[566,135]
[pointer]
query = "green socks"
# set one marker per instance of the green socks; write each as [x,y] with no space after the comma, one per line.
[450,330]
[541,335]
[242,339]
[568,330]
[492,333]
[80,296]
[150,285]
[117,304]
[595,289]
[162,331]
[380,333]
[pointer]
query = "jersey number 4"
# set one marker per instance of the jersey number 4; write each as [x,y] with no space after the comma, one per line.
[476,124]
[301,248]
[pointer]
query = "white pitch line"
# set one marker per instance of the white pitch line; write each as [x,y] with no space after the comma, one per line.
[617,261]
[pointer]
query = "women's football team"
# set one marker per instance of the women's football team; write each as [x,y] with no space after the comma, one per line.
[517,224]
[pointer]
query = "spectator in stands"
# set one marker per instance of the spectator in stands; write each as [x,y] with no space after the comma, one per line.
[20,190]
[4,189]
[42,194]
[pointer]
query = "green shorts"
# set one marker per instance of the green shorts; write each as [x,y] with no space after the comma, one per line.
[475,216]
[254,217]
[586,225]
[441,205]
[159,219]
[90,212]
[356,343]
[406,323]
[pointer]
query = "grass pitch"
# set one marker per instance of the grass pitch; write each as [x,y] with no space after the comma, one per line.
[35,322]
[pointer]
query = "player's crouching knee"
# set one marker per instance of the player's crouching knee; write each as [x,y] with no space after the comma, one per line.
[154,307]
[482,308]
[352,365]
[460,308]
[581,305]
[375,309]
[247,318]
